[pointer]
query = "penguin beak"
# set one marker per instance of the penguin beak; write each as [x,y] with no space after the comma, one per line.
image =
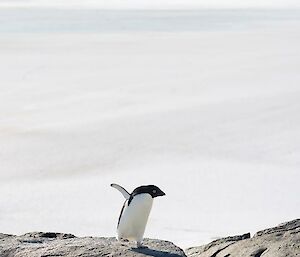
[161,193]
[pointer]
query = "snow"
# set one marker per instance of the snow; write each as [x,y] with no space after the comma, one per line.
[210,115]
[152,4]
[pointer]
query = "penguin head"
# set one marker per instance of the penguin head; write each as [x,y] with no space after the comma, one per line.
[153,190]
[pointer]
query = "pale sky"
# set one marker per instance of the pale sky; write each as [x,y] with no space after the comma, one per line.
[157,4]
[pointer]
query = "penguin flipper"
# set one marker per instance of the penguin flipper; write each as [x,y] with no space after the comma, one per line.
[122,190]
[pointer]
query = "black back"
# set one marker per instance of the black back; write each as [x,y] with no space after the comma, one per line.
[121,213]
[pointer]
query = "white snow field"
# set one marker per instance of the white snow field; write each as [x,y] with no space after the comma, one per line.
[204,104]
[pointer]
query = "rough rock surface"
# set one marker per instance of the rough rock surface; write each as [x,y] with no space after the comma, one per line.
[280,241]
[39,244]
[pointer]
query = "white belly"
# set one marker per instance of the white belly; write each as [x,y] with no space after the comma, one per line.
[134,218]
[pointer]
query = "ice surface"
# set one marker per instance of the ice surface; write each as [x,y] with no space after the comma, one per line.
[210,115]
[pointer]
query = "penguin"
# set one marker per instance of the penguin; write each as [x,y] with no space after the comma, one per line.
[135,212]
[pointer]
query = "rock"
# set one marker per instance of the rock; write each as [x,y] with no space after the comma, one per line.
[280,241]
[216,246]
[39,244]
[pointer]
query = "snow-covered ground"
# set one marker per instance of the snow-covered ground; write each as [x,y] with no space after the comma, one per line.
[210,114]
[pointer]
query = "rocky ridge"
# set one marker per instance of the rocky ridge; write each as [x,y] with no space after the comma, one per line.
[39,244]
[280,241]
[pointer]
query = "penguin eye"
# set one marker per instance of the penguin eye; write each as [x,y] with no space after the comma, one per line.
[154,191]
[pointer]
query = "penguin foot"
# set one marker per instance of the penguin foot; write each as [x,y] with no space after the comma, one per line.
[140,246]
[123,240]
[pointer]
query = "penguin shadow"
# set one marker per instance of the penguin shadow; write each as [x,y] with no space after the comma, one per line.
[154,253]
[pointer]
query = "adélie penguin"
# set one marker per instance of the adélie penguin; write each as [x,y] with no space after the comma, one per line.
[135,212]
